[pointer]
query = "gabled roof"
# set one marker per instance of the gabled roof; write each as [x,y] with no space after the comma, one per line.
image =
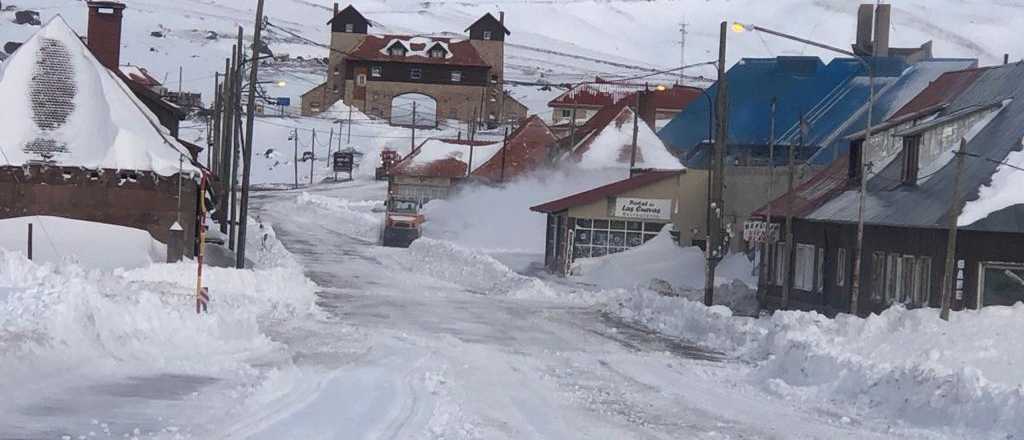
[489,19]
[460,52]
[63,107]
[603,192]
[943,90]
[350,12]
[440,158]
[527,149]
[609,142]
[600,94]
[991,139]
[140,75]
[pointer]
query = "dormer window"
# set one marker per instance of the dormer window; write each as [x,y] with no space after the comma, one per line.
[350,28]
[437,52]
[397,50]
[911,156]
[488,35]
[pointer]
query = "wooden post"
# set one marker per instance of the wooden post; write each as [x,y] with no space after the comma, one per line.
[330,144]
[787,284]
[413,147]
[175,243]
[636,131]
[949,271]
[30,241]
[249,119]
[349,139]
[295,160]
[717,168]
[312,157]
[504,152]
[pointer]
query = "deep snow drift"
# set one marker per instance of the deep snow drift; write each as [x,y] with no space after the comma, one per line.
[61,241]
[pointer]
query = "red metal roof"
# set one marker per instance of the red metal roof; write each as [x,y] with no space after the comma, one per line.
[373,49]
[448,167]
[602,192]
[812,193]
[527,149]
[140,75]
[607,93]
[943,90]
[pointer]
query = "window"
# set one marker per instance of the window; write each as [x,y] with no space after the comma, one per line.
[488,35]
[456,76]
[361,80]
[337,70]
[780,264]
[349,27]
[878,276]
[892,278]
[396,50]
[819,273]
[923,287]
[595,238]
[415,73]
[803,267]
[437,52]
[911,155]
[840,267]
[376,71]
[566,113]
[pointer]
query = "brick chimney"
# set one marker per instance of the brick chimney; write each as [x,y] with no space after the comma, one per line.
[883,16]
[865,16]
[104,34]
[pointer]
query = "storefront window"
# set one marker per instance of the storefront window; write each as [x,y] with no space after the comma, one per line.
[595,238]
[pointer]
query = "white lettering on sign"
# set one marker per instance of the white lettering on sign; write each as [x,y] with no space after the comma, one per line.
[648,209]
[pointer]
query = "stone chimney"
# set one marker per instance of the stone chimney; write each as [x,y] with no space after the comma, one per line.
[501,17]
[104,34]
[865,16]
[883,16]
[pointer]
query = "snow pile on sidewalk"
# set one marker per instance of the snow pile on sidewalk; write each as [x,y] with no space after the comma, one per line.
[94,245]
[142,318]
[902,364]
[660,261]
[355,218]
[473,270]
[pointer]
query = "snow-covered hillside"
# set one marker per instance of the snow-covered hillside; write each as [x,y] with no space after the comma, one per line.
[565,40]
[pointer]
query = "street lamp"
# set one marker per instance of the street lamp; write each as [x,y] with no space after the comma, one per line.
[858,251]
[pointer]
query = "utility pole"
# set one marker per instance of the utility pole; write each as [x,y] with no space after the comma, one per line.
[330,144]
[181,71]
[312,157]
[249,119]
[863,171]
[225,134]
[215,154]
[949,271]
[682,50]
[349,140]
[572,130]
[716,207]
[766,247]
[791,181]
[504,152]
[636,131]
[295,161]
[413,141]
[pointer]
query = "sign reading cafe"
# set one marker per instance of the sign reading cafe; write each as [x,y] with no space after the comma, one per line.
[647,209]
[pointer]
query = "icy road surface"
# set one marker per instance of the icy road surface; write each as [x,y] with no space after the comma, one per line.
[436,360]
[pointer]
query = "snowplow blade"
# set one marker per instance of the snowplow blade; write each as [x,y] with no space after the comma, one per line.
[399,237]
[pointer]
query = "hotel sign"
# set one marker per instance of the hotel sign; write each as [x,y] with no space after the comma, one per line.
[645,209]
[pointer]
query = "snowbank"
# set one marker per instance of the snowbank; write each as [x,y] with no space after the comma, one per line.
[903,364]
[93,245]
[356,218]
[472,270]
[662,260]
[612,147]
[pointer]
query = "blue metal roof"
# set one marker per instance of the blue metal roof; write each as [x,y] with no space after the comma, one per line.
[844,112]
[798,83]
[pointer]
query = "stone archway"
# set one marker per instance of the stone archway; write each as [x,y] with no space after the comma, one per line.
[425,115]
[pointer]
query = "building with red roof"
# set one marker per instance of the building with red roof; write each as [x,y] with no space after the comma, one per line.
[451,78]
[589,98]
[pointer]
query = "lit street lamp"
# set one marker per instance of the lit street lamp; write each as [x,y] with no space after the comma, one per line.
[855,284]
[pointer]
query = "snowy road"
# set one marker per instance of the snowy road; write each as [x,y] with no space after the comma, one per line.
[419,357]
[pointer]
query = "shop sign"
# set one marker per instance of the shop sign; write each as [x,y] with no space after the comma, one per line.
[647,209]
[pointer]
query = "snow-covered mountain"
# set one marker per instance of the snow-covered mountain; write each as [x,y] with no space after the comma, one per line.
[565,40]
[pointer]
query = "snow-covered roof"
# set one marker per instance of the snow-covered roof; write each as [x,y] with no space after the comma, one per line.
[437,158]
[63,107]
[611,146]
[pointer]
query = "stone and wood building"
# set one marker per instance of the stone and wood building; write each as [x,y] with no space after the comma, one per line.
[463,77]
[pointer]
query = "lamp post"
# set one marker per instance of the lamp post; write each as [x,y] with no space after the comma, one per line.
[855,283]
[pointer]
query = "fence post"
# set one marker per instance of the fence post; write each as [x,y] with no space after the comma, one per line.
[30,241]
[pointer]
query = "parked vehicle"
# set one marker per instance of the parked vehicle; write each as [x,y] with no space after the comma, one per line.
[402,222]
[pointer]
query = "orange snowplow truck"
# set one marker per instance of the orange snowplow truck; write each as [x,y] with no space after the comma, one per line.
[402,222]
